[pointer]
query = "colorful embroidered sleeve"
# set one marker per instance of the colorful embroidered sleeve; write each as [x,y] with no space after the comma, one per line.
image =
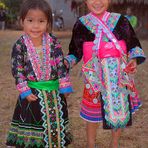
[133,45]
[18,72]
[64,79]
[80,34]
[71,60]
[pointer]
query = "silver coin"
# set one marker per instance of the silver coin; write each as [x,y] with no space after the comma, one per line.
[95,101]
[87,86]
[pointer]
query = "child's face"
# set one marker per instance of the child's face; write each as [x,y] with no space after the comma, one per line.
[35,24]
[98,7]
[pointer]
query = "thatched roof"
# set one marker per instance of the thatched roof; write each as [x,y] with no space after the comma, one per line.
[124,1]
[130,1]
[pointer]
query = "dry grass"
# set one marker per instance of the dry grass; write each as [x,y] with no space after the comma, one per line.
[134,137]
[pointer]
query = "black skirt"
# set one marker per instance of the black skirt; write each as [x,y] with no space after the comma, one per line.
[42,123]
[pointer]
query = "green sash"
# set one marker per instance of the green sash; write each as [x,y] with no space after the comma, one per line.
[44,85]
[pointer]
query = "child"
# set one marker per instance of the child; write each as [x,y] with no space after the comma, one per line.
[40,116]
[111,52]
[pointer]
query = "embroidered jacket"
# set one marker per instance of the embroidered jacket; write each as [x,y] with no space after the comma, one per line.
[27,65]
[84,31]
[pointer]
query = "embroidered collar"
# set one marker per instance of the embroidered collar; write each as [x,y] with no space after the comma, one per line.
[100,27]
[111,21]
[41,68]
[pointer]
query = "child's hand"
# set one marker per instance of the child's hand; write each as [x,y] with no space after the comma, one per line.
[66,64]
[66,95]
[31,98]
[131,67]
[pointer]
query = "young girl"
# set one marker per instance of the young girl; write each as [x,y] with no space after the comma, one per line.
[40,117]
[111,52]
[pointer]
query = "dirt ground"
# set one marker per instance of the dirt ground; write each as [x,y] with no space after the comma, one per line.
[133,137]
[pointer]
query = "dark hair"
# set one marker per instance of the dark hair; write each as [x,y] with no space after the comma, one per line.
[42,5]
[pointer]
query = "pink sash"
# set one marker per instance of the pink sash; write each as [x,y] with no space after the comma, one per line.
[107,49]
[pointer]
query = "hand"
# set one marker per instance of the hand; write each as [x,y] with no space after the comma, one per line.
[31,98]
[66,95]
[66,64]
[131,67]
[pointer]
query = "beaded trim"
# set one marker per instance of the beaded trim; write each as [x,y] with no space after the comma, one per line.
[41,68]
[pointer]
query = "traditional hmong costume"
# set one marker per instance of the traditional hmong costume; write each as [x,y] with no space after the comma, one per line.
[106,44]
[44,122]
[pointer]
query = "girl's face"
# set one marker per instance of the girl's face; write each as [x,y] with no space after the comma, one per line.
[97,7]
[35,24]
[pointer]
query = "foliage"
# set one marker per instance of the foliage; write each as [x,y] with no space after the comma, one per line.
[2,5]
[13,6]
[12,10]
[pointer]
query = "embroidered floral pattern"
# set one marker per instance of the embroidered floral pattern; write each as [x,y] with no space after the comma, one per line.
[27,65]
[72,60]
[41,68]
[111,95]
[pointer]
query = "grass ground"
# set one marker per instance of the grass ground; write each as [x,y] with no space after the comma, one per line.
[133,137]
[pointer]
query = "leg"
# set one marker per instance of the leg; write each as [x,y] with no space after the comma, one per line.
[115,138]
[91,129]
